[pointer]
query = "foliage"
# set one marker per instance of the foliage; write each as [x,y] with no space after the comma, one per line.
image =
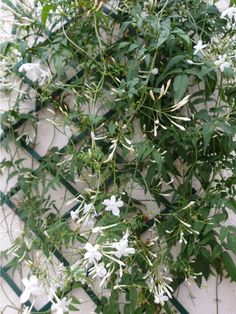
[163,73]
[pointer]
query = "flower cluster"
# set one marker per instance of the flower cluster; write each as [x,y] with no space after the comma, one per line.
[34,288]
[98,257]
[35,73]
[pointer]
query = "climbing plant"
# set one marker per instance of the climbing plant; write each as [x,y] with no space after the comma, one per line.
[144,92]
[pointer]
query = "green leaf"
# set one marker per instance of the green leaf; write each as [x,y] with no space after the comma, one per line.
[123,44]
[205,253]
[185,38]
[58,57]
[180,86]
[217,250]
[231,204]
[75,300]
[231,240]
[45,12]
[157,156]
[133,47]
[73,308]
[160,41]
[131,296]
[202,114]
[207,130]
[170,65]
[229,265]
[223,233]
[173,61]
[144,149]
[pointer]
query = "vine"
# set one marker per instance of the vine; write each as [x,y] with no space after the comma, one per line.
[142,94]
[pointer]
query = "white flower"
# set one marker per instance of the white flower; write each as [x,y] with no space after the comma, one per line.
[199,47]
[113,147]
[92,253]
[94,138]
[74,214]
[122,247]
[189,61]
[180,104]
[229,13]
[144,14]
[34,72]
[164,89]
[32,286]
[100,229]
[196,63]
[87,224]
[221,63]
[182,238]
[154,71]
[60,306]
[160,298]
[87,208]
[98,271]
[113,205]
[101,271]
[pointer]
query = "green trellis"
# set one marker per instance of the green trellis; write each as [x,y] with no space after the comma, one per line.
[6,198]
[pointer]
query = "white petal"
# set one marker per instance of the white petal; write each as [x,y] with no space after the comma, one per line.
[109,208]
[88,246]
[106,202]
[33,280]
[25,282]
[101,271]
[53,307]
[74,215]
[222,68]
[130,250]
[25,296]
[113,199]
[96,247]
[98,256]
[119,203]
[115,211]
[226,64]
[36,290]
[118,254]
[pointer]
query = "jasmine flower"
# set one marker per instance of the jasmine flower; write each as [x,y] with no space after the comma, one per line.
[34,72]
[98,271]
[160,298]
[154,71]
[122,248]
[182,238]
[60,306]
[74,214]
[87,208]
[92,254]
[32,286]
[199,47]
[113,147]
[113,205]
[222,64]
[229,13]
